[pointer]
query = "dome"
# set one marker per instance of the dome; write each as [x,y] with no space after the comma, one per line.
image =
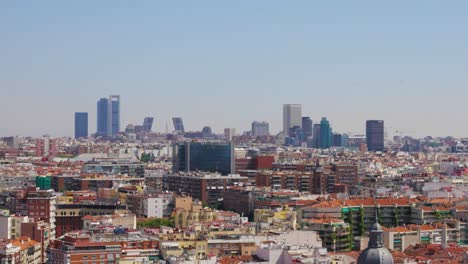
[376,227]
[375,256]
[375,253]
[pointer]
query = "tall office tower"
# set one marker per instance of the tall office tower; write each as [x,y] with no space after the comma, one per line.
[375,135]
[307,126]
[46,147]
[337,140]
[229,133]
[81,125]
[260,129]
[204,156]
[325,134]
[292,117]
[102,116]
[148,124]
[178,125]
[316,141]
[113,118]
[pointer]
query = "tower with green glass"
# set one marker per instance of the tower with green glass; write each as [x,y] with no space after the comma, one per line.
[325,134]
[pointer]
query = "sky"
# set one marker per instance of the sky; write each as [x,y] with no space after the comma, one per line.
[228,63]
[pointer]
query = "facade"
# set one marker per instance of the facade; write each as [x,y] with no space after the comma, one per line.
[148,124]
[229,133]
[337,140]
[260,129]
[204,156]
[46,147]
[316,136]
[206,187]
[102,116]
[292,117]
[113,119]
[307,127]
[116,167]
[375,135]
[178,125]
[325,134]
[69,216]
[81,125]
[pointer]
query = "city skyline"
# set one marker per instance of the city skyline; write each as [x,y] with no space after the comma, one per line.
[399,62]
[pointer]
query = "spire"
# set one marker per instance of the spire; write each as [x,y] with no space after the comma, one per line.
[376,234]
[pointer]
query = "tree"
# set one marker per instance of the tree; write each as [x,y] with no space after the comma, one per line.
[155,223]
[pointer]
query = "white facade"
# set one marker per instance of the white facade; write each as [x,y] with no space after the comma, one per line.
[155,206]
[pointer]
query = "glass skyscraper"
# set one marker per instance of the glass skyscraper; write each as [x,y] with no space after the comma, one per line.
[204,156]
[102,115]
[178,124]
[375,135]
[325,134]
[113,118]
[147,124]
[307,127]
[81,125]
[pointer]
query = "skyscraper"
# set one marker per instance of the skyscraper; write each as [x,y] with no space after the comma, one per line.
[102,116]
[260,129]
[113,119]
[229,133]
[178,125]
[307,125]
[325,134]
[81,125]
[316,142]
[148,124]
[292,117]
[375,135]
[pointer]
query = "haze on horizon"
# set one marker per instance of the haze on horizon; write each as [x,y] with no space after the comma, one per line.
[226,64]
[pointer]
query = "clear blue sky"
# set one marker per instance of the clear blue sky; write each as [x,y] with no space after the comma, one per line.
[227,63]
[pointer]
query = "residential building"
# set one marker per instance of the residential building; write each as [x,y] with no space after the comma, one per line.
[206,187]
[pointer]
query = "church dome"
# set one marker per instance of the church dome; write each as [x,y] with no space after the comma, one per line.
[375,253]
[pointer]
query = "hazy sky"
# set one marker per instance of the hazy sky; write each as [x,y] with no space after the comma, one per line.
[228,63]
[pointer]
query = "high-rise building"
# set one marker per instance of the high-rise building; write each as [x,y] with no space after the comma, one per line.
[148,124]
[307,127]
[113,119]
[260,129]
[316,141]
[325,134]
[81,125]
[46,147]
[102,116]
[337,140]
[229,133]
[292,117]
[178,125]
[204,156]
[375,135]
